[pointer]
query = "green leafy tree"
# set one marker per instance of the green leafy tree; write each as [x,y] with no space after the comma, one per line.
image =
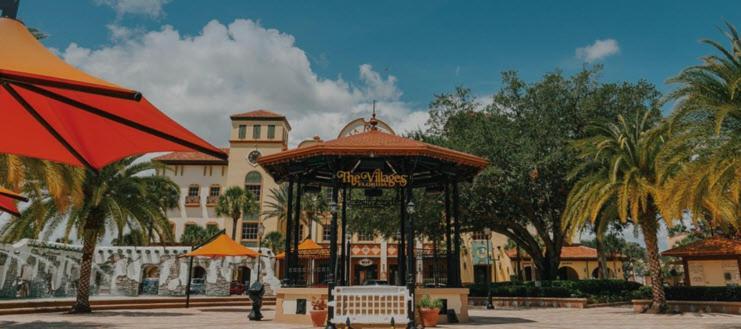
[115,197]
[235,203]
[526,133]
[314,206]
[700,168]
[194,235]
[133,238]
[274,241]
[619,168]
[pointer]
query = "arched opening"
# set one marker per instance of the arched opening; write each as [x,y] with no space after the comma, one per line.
[253,183]
[567,273]
[610,273]
[150,280]
[198,280]
[528,270]
[242,282]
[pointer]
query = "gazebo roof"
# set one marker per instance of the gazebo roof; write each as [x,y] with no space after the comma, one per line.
[715,246]
[430,162]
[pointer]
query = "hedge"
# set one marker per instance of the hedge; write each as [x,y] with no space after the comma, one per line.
[596,291]
[720,294]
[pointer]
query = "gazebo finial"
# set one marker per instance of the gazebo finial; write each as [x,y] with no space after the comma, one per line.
[373,121]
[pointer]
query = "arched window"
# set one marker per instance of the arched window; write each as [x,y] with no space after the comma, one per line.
[253,184]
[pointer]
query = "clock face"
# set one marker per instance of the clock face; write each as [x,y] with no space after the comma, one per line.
[253,156]
[360,126]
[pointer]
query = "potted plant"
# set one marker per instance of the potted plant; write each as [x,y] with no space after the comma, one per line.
[429,310]
[318,311]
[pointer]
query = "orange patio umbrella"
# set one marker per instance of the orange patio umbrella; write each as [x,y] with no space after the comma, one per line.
[57,112]
[308,249]
[8,199]
[222,246]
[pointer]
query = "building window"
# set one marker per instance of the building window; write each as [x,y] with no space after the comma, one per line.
[326,232]
[213,194]
[242,131]
[193,194]
[253,183]
[249,231]
[365,236]
[271,131]
[256,131]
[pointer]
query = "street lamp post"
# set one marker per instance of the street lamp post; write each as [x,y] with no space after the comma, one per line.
[257,290]
[348,253]
[489,302]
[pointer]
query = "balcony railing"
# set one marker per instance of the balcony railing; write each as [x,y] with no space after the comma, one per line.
[192,200]
[212,200]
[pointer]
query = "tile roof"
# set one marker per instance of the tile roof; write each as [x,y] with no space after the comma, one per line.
[715,246]
[185,157]
[258,114]
[376,143]
[576,251]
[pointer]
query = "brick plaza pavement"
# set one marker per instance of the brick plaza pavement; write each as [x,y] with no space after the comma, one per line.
[235,317]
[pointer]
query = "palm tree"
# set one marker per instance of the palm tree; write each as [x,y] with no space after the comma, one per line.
[194,235]
[274,241]
[40,179]
[116,197]
[235,203]
[314,206]
[700,167]
[619,169]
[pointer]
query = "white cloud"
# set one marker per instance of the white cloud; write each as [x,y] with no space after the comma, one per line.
[151,8]
[199,80]
[598,50]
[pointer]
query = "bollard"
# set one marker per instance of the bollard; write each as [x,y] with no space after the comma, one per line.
[256,291]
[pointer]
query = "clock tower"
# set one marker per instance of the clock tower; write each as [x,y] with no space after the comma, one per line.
[254,134]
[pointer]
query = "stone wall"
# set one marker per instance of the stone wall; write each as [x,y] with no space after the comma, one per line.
[31,269]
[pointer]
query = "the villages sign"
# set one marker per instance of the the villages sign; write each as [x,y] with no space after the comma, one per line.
[375,179]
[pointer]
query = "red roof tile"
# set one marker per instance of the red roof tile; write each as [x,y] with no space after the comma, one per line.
[375,143]
[186,157]
[709,247]
[258,114]
[567,252]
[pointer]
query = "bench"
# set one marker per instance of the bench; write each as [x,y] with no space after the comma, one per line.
[371,304]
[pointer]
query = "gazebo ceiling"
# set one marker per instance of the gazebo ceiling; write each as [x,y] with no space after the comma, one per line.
[371,152]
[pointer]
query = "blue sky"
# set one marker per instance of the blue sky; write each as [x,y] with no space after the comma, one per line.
[432,46]
[323,62]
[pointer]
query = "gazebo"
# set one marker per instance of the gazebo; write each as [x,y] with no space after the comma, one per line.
[372,160]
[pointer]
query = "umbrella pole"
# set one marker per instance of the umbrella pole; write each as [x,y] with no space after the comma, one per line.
[187,285]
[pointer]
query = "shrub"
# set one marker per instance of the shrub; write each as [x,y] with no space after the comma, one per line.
[428,303]
[595,290]
[729,293]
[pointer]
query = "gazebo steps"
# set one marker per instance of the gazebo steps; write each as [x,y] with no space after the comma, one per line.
[26,307]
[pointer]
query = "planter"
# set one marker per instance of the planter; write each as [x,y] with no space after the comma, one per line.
[318,317]
[678,306]
[430,316]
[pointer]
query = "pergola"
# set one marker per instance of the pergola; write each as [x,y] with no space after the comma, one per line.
[373,160]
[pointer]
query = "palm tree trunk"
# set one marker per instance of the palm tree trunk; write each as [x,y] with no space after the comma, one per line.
[82,304]
[234,228]
[601,257]
[649,225]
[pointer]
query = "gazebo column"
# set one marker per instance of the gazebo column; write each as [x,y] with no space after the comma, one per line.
[401,250]
[457,235]
[448,240]
[411,274]
[332,259]
[287,259]
[342,275]
[296,227]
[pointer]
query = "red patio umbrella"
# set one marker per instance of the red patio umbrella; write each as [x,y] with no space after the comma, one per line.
[8,199]
[56,112]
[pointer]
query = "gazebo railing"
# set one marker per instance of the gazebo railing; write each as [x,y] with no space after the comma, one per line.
[371,304]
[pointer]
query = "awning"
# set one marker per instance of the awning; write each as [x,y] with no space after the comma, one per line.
[308,249]
[222,246]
